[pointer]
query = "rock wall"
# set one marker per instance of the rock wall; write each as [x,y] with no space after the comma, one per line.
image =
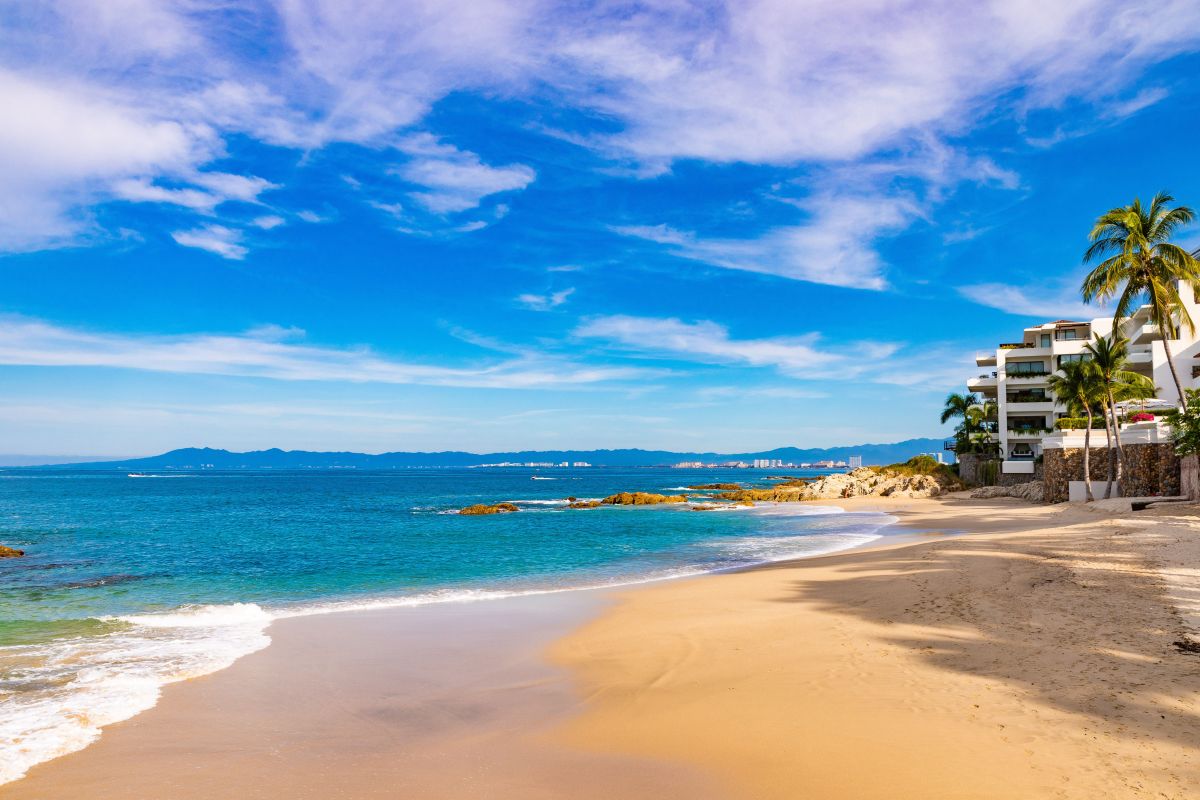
[1150,469]
[1017,478]
[968,468]
[1060,466]
[1189,477]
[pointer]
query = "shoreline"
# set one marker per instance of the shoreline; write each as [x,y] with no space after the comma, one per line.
[542,745]
[264,623]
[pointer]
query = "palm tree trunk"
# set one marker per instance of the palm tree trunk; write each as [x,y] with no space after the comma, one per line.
[1116,433]
[1110,453]
[1087,459]
[1174,375]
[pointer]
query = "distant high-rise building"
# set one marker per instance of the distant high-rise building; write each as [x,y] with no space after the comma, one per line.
[855,462]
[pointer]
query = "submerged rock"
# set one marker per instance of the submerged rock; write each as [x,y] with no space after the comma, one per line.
[725,486]
[480,509]
[10,552]
[642,499]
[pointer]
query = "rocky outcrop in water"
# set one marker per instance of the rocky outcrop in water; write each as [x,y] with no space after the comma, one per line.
[10,552]
[642,499]
[708,486]
[583,504]
[480,509]
[1033,491]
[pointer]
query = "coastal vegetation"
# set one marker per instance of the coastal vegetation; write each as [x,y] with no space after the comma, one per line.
[974,433]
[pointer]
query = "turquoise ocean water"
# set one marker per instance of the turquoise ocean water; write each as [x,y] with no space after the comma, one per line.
[134,582]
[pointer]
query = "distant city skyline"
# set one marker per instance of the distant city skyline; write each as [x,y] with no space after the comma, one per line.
[696,227]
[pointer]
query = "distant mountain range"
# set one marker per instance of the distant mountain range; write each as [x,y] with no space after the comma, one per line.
[193,458]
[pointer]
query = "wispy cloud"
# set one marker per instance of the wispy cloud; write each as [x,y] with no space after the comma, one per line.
[834,247]
[219,239]
[929,367]
[271,352]
[455,180]
[1046,301]
[709,342]
[103,94]
[545,302]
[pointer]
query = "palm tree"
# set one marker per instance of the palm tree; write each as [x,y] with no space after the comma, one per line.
[1108,355]
[1077,383]
[1141,262]
[965,406]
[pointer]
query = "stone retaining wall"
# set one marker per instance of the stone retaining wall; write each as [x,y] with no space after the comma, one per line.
[1017,478]
[1150,469]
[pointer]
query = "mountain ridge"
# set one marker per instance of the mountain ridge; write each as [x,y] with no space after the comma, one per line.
[193,458]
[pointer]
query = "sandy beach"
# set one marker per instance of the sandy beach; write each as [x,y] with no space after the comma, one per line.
[1033,656]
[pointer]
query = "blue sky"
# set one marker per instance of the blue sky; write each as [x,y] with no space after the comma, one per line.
[410,226]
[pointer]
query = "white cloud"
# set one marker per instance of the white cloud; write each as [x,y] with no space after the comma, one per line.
[545,302]
[1047,302]
[834,247]
[271,352]
[268,221]
[930,367]
[779,81]
[455,180]
[60,144]
[218,187]
[709,342]
[225,242]
[139,94]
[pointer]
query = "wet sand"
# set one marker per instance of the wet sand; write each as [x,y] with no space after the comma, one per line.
[441,701]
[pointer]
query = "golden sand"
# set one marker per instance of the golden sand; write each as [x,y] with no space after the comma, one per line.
[1033,661]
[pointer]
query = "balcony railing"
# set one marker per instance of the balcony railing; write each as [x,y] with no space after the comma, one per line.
[1028,431]
[1015,345]
[949,445]
[1027,374]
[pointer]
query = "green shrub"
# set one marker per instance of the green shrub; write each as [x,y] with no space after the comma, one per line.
[1078,423]
[1185,426]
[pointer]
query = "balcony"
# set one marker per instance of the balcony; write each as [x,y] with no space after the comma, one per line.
[1025,407]
[985,359]
[982,382]
[1027,375]
[1028,433]
[1144,334]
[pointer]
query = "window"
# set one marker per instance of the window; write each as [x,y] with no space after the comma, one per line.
[1026,367]
[1068,335]
[1074,357]
[1045,340]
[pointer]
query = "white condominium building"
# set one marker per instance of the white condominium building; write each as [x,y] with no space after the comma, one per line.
[1018,372]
